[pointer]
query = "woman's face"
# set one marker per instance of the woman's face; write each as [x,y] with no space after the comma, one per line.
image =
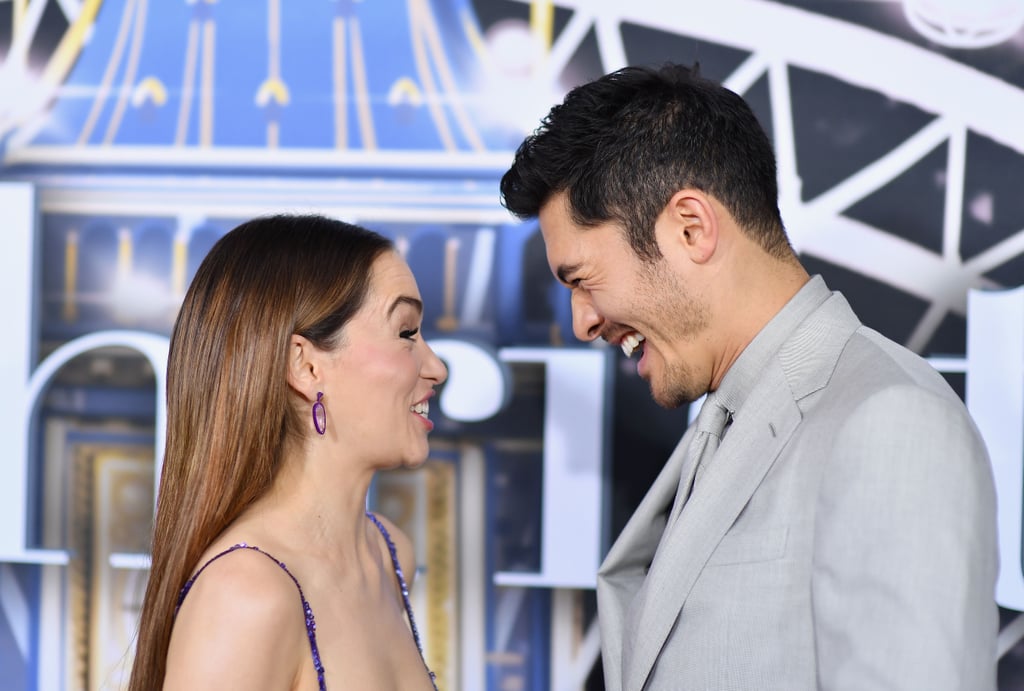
[382,376]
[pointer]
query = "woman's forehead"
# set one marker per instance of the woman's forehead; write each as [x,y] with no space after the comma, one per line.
[392,280]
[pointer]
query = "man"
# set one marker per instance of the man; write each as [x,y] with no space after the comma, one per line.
[842,534]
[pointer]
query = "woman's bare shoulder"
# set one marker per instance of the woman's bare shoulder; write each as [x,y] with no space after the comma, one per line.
[240,626]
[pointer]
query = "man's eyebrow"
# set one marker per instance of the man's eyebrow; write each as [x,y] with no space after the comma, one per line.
[565,270]
[415,303]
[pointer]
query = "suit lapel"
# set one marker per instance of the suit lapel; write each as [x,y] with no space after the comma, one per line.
[737,468]
[625,567]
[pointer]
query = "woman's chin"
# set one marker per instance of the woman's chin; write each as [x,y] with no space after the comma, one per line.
[413,463]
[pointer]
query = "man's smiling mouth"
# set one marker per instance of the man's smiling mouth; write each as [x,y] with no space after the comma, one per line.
[630,343]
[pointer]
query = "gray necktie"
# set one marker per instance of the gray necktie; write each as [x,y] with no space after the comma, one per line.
[710,422]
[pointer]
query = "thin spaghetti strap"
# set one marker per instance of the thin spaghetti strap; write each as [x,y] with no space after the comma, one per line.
[307,610]
[405,593]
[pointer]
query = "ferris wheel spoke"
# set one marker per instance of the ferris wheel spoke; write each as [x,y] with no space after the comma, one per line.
[884,170]
[566,45]
[609,44]
[956,166]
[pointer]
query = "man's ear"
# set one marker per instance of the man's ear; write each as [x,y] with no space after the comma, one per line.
[692,224]
[304,373]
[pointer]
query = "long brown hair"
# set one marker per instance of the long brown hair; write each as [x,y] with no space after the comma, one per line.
[230,411]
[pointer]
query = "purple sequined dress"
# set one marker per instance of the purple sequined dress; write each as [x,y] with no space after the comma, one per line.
[310,621]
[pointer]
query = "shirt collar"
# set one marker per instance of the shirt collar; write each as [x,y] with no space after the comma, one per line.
[744,374]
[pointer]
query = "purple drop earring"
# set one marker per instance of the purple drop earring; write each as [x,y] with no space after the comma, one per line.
[319,414]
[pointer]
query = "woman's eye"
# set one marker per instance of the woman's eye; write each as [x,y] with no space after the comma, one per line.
[408,333]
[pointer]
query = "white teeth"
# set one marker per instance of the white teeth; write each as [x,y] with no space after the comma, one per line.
[422,408]
[631,342]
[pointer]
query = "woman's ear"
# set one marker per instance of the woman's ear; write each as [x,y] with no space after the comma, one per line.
[692,224]
[304,374]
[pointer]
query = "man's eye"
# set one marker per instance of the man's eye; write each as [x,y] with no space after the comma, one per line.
[409,333]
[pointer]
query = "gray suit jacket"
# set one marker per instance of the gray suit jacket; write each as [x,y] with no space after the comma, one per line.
[843,536]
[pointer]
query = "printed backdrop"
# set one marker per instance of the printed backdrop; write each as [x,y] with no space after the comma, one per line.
[145,130]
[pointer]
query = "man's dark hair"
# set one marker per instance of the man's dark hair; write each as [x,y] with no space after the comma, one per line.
[622,145]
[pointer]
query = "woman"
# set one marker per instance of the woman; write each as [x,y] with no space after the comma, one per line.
[296,371]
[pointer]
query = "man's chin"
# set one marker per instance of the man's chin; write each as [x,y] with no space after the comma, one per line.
[672,397]
[670,400]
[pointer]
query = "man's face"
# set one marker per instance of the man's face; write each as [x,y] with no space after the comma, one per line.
[647,308]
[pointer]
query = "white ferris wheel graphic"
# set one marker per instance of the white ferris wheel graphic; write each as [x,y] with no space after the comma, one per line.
[780,37]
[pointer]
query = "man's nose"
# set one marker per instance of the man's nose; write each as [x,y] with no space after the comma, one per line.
[586,321]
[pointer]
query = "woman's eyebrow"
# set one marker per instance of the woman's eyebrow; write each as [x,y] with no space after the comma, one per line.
[415,303]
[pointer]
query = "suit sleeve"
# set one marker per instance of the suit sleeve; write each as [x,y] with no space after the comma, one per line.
[905,550]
